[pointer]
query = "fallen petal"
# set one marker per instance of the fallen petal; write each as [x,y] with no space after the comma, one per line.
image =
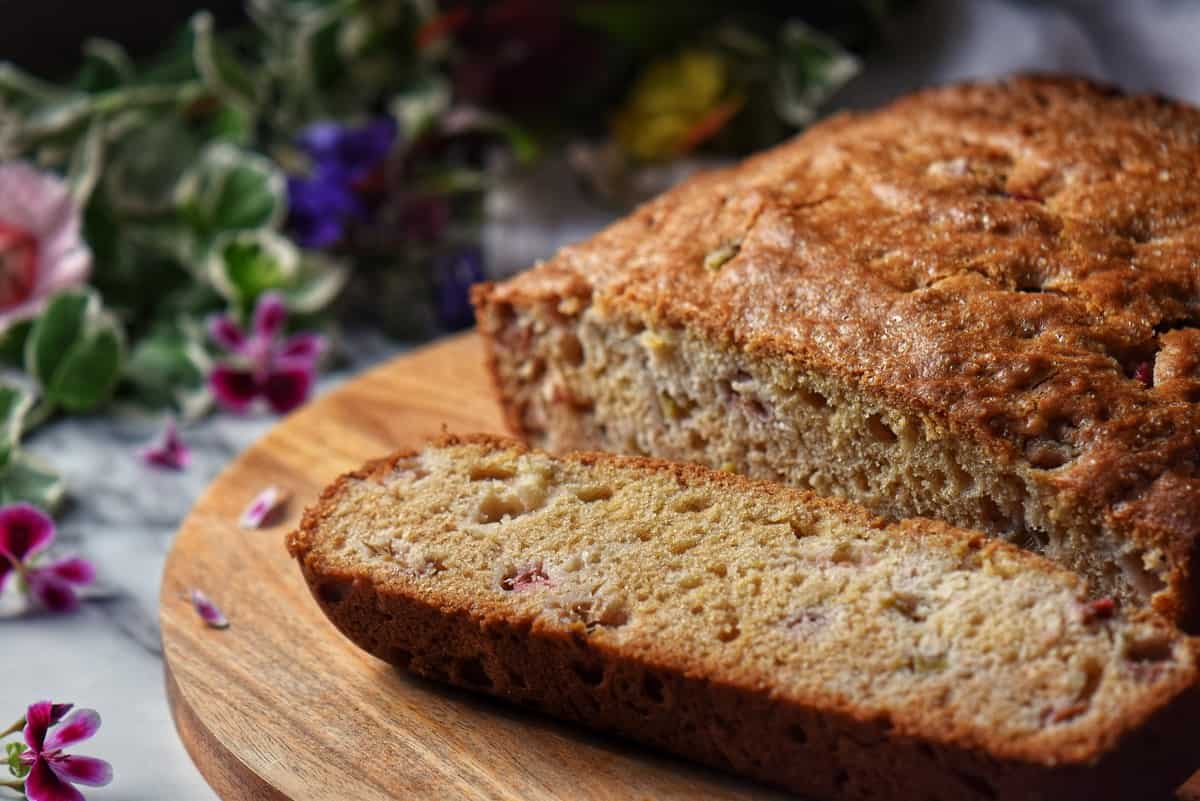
[234,389]
[24,530]
[82,724]
[208,611]
[43,784]
[168,451]
[72,570]
[225,331]
[263,507]
[287,387]
[269,315]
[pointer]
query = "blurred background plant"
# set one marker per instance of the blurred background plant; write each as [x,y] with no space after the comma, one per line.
[304,147]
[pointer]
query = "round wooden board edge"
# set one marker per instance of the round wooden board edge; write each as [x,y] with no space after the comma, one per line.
[230,778]
[228,775]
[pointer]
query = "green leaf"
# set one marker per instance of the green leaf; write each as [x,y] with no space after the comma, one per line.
[24,91]
[452,180]
[421,104]
[811,67]
[89,373]
[106,65]
[245,265]
[58,328]
[474,120]
[168,367]
[15,403]
[317,283]
[15,765]
[58,116]
[12,343]
[231,189]
[75,351]
[219,69]
[28,479]
[87,160]
[146,165]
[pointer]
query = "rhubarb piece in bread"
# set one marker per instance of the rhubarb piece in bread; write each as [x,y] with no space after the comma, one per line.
[980,304]
[760,629]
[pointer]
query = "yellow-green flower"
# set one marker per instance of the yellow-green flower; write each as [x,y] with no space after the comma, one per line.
[676,104]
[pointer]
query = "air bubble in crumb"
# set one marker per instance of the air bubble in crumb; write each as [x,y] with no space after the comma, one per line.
[495,506]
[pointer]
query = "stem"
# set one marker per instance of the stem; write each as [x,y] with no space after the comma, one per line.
[16,727]
[15,784]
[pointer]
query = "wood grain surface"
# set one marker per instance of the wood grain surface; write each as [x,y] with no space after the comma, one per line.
[279,707]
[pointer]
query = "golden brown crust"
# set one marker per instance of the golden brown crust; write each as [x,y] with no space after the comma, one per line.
[725,722]
[1018,259]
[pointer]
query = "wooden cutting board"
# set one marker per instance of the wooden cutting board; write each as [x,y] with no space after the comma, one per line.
[279,706]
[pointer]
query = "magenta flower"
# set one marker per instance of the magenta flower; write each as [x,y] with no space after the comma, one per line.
[26,531]
[262,363]
[42,251]
[51,772]
[168,450]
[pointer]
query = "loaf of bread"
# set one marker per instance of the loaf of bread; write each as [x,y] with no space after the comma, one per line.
[980,304]
[764,630]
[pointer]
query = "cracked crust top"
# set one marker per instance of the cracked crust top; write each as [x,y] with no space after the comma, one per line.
[1020,259]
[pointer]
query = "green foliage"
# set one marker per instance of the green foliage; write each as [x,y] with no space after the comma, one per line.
[244,265]
[230,189]
[179,163]
[75,352]
[15,766]
[22,478]
[810,67]
[167,368]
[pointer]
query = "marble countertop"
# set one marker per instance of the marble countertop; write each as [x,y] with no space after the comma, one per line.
[123,515]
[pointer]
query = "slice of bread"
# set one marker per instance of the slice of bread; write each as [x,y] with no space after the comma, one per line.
[760,629]
[980,303]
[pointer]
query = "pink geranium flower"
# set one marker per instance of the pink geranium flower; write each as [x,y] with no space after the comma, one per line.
[51,772]
[41,250]
[263,364]
[25,532]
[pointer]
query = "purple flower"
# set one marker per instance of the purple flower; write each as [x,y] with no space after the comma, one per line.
[262,363]
[168,450]
[322,203]
[319,208]
[51,772]
[350,152]
[208,611]
[452,280]
[26,531]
